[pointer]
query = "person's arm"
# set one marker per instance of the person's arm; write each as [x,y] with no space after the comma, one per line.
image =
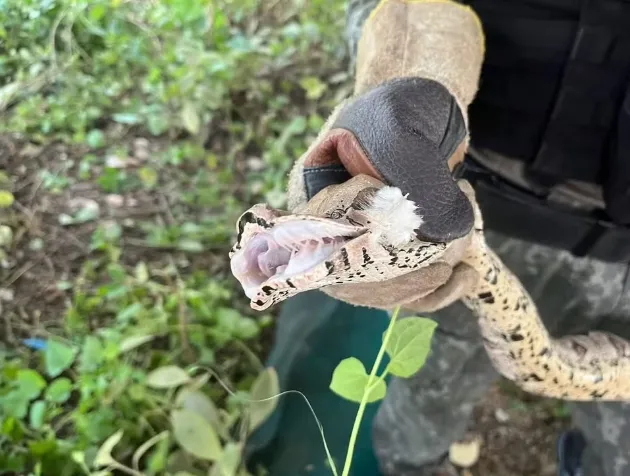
[357,13]
[417,69]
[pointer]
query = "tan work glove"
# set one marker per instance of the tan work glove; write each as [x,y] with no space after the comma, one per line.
[418,67]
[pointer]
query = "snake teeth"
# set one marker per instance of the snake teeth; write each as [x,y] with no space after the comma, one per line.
[286,250]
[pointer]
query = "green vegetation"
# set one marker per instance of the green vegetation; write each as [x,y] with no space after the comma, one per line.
[133,134]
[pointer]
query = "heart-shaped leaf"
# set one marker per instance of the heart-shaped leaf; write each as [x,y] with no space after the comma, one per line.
[58,357]
[409,345]
[350,381]
[30,383]
[195,435]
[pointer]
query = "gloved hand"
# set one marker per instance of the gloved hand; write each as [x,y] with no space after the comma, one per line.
[418,66]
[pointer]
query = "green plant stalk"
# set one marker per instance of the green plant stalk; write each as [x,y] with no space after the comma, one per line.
[371,379]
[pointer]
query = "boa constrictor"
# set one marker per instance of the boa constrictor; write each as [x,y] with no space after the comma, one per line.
[278,254]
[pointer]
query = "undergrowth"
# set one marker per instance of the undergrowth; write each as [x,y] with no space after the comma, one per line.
[137,132]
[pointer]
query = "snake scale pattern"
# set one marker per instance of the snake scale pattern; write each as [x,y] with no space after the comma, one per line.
[277,255]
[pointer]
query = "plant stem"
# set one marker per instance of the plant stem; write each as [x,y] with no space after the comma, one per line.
[366,394]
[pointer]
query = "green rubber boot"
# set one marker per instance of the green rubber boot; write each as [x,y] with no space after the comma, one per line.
[314,333]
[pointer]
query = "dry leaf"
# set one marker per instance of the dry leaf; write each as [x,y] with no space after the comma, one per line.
[465,454]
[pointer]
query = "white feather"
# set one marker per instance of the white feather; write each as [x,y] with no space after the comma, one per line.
[393,216]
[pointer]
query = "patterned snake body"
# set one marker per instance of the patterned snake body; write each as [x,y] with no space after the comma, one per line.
[350,243]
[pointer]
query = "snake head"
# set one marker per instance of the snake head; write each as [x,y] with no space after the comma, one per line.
[357,232]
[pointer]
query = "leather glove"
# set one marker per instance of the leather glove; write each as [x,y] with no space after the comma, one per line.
[418,66]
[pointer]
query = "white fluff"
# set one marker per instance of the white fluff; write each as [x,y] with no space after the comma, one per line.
[393,216]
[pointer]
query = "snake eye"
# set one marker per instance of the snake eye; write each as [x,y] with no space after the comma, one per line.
[336,214]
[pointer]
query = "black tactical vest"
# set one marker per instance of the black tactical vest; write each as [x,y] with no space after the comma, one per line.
[555,91]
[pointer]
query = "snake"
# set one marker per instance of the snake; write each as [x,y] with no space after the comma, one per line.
[367,238]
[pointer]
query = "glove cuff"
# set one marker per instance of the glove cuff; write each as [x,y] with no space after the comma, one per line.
[434,39]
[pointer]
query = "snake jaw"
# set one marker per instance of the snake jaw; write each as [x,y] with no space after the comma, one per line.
[277,256]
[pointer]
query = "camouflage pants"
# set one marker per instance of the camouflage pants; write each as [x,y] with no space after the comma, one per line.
[421,416]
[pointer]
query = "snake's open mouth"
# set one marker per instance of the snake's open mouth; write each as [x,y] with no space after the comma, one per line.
[288,250]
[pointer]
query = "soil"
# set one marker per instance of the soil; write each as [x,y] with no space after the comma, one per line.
[518,433]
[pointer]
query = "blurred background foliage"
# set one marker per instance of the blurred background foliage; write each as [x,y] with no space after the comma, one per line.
[133,134]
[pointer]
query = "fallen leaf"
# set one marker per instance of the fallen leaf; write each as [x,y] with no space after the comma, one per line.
[501,415]
[6,236]
[115,201]
[465,454]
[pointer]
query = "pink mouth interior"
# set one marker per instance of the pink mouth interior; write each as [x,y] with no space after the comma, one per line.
[284,251]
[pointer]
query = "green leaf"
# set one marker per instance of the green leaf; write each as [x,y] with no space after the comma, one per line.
[30,383]
[190,118]
[58,357]
[129,312]
[409,345]
[148,177]
[159,457]
[195,435]
[92,354]
[126,118]
[6,199]
[230,461]
[167,377]
[95,138]
[37,414]
[266,387]
[104,454]
[157,124]
[350,381]
[191,246]
[197,402]
[59,390]
[131,343]
[314,87]
[15,404]
[147,445]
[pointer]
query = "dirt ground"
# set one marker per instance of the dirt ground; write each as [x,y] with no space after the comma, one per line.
[517,432]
